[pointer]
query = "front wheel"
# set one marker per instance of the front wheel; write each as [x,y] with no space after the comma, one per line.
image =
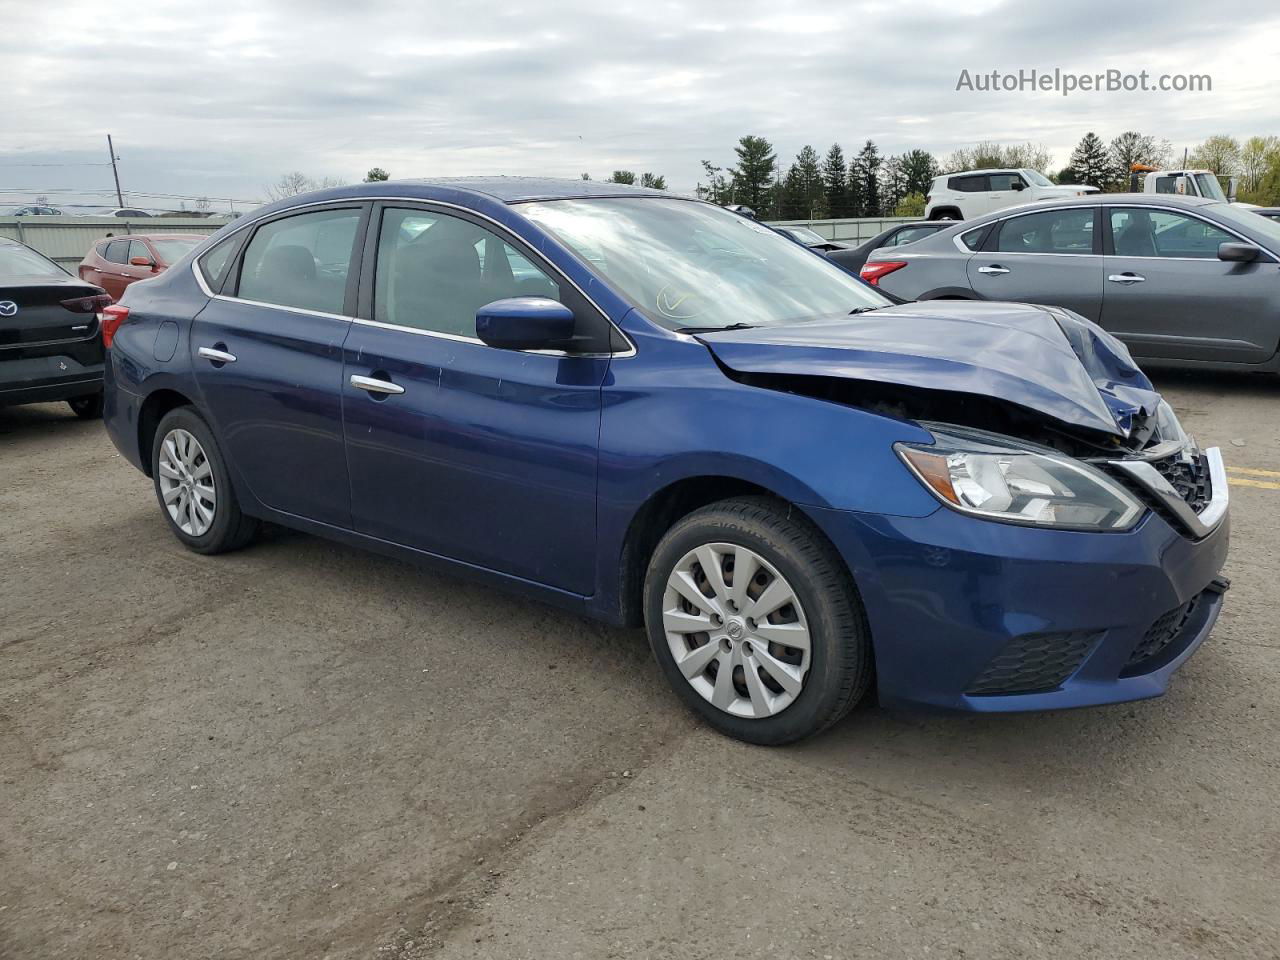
[194,488]
[756,622]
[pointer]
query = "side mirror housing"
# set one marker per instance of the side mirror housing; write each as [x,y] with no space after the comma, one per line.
[141,262]
[1238,252]
[525,323]
[1018,185]
[1233,188]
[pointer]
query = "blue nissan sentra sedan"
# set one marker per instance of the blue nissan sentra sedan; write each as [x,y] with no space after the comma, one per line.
[649,410]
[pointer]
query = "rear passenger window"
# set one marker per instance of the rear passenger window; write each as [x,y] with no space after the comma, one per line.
[117,251]
[974,184]
[973,239]
[435,271]
[1054,231]
[301,261]
[215,261]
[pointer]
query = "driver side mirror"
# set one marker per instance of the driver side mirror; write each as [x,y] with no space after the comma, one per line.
[1018,185]
[525,323]
[1238,252]
[141,262]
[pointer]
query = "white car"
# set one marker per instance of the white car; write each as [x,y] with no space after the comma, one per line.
[962,196]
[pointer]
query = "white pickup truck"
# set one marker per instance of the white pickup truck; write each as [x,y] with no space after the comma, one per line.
[962,196]
[1184,183]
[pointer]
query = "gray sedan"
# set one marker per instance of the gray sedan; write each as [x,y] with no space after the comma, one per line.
[1183,281]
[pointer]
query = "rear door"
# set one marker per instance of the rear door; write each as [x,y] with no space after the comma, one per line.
[456,448]
[1169,296]
[1004,190]
[112,276]
[267,355]
[973,199]
[1050,257]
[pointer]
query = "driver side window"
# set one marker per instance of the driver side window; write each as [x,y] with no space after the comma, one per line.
[435,271]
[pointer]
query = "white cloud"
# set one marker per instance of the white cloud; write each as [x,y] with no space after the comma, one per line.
[219,99]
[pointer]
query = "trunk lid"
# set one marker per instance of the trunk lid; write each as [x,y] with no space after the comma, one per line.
[1044,359]
[31,312]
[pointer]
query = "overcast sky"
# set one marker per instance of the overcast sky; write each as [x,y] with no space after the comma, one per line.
[219,99]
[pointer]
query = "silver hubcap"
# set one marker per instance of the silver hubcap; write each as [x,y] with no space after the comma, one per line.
[186,483]
[737,630]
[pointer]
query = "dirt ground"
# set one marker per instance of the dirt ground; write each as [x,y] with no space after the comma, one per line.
[305,751]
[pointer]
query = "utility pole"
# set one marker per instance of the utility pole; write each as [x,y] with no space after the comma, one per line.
[114,172]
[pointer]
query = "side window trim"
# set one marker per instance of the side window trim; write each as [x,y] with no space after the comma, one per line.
[353,271]
[364,305]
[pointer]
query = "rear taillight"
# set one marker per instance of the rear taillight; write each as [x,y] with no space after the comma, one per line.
[112,317]
[87,304]
[872,272]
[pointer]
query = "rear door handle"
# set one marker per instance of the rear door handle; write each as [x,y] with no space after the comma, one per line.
[217,356]
[374,385]
[1126,278]
[993,269]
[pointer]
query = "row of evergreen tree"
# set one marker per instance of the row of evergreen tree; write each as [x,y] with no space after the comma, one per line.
[816,188]
[872,185]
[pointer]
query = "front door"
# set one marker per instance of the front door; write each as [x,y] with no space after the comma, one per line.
[478,454]
[1045,257]
[1169,296]
[269,361]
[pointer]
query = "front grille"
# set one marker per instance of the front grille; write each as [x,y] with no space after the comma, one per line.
[1189,476]
[1034,662]
[1167,629]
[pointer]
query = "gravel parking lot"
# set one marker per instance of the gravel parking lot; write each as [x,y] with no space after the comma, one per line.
[302,750]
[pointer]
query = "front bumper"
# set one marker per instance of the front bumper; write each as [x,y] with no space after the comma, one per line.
[953,601]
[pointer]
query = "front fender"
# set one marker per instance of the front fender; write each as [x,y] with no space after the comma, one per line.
[671,414]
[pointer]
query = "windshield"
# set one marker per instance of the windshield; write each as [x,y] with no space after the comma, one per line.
[173,249]
[1039,179]
[1262,228]
[1210,187]
[805,235]
[692,265]
[17,261]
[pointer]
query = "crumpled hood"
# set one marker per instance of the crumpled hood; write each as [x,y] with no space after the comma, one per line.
[1046,359]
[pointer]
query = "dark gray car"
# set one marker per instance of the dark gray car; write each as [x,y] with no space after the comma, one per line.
[1183,281]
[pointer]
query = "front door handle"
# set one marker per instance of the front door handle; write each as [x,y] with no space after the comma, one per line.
[995,268]
[217,356]
[1126,278]
[374,385]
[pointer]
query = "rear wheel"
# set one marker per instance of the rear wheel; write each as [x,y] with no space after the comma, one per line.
[756,622]
[87,407]
[194,488]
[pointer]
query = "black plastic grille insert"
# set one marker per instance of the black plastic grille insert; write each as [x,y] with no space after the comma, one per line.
[1034,662]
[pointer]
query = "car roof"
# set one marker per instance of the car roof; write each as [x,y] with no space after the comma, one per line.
[520,189]
[1093,199]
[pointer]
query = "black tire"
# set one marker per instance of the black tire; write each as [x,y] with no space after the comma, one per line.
[231,529]
[87,407]
[840,668]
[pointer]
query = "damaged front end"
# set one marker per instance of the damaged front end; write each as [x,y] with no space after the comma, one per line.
[1038,415]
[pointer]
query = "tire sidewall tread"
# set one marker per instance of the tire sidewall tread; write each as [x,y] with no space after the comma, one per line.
[231,529]
[840,659]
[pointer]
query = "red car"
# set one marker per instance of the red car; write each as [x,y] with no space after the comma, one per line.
[116,262]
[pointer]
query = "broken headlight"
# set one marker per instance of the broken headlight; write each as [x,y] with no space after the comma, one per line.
[1000,478]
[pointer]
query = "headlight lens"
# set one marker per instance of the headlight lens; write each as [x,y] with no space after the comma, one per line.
[1003,479]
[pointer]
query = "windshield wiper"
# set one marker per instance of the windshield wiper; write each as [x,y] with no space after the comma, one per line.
[857,310]
[729,326]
